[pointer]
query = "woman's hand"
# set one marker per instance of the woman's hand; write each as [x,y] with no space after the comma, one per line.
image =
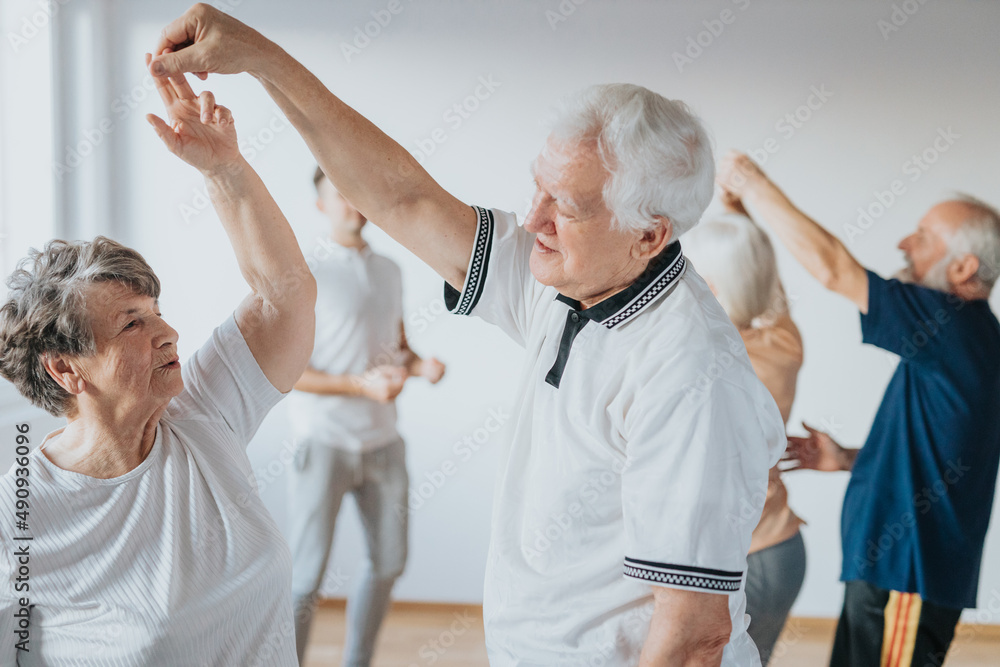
[200,132]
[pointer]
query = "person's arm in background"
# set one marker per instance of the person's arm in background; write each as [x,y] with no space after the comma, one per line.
[817,250]
[278,318]
[381,384]
[366,166]
[817,451]
[430,369]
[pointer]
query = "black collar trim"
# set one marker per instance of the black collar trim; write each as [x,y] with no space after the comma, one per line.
[663,272]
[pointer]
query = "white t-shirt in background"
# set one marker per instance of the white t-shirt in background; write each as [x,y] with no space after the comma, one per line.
[359,312]
[175,563]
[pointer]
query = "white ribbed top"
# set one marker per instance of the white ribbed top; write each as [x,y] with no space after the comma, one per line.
[175,563]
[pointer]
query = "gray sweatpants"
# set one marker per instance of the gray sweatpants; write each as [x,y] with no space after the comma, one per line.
[774,578]
[319,479]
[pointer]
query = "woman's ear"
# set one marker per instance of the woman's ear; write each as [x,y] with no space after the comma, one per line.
[64,373]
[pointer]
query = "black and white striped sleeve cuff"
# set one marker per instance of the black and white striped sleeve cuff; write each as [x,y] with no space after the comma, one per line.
[683,576]
[462,303]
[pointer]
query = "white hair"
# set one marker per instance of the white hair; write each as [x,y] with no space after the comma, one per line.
[736,257]
[979,235]
[657,152]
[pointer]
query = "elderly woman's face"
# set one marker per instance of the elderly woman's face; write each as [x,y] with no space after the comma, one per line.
[136,360]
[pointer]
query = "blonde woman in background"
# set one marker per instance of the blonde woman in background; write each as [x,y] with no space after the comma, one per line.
[736,258]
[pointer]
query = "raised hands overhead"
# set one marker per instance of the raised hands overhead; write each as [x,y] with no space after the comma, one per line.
[205,39]
[199,131]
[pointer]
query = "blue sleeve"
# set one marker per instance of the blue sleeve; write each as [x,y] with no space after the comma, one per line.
[907,319]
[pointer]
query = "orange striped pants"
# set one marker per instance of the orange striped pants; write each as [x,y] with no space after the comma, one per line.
[880,628]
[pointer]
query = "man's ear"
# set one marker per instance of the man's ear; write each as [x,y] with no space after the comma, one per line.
[65,373]
[962,269]
[650,243]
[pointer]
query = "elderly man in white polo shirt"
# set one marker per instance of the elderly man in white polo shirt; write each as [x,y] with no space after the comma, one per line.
[642,434]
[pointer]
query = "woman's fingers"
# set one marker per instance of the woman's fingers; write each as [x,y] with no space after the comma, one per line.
[223,116]
[206,102]
[164,131]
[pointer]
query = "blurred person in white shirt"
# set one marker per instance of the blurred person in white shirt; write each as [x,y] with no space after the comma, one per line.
[344,420]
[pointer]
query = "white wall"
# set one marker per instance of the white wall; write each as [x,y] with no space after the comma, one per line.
[890,95]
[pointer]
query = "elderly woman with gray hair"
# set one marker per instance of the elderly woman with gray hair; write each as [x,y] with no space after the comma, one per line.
[145,540]
[736,259]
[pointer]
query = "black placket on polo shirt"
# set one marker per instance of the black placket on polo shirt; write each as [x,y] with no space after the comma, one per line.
[661,273]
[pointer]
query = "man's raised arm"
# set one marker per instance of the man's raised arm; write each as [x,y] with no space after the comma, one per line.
[816,249]
[377,175]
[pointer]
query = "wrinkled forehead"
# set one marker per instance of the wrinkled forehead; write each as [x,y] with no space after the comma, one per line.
[109,303]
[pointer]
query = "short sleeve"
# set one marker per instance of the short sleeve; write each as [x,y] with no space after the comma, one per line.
[499,287]
[907,319]
[695,479]
[223,382]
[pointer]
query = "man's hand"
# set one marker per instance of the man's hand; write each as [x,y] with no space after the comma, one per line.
[383,383]
[207,40]
[817,451]
[738,175]
[732,203]
[431,369]
[200,132]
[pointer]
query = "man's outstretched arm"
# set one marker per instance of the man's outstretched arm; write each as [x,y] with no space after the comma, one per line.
[366,166]
[819,251]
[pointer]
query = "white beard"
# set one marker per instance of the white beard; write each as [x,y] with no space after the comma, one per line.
[936,277]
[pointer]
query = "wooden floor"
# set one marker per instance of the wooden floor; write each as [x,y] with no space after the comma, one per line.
[416,635]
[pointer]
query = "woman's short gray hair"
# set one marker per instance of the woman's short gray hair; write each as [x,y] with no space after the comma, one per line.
[657,151]
[45,311]
[737,258]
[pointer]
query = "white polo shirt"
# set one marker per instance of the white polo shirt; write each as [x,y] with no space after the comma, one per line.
[640,435]
[359,312]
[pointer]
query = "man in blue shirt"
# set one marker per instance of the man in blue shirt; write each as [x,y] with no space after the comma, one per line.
[918,503]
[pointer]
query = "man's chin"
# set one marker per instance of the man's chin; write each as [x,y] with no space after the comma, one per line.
[542,269]
[905,275]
